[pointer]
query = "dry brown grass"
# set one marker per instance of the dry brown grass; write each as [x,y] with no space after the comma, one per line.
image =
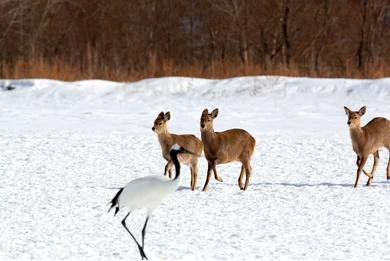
[39,68]
[60,70]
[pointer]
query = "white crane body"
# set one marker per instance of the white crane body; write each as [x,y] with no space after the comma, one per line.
[147,192]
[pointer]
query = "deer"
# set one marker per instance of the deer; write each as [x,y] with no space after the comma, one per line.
[224,147]
[368,140]
[188,141]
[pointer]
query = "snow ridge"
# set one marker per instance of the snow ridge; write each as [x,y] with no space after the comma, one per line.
[194,87]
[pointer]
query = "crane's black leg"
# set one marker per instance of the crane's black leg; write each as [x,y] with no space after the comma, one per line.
[141,251]
[143,231]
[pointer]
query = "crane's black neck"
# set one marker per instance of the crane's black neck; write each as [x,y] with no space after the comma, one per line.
[173,155]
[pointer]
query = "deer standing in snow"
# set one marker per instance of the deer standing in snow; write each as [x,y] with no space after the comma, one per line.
[224,147]
[187,141]
[368,140]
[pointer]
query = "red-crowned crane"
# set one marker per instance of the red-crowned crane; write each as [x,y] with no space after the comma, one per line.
[147,192]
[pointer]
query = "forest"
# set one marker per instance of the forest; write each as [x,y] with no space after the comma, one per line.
[134,39]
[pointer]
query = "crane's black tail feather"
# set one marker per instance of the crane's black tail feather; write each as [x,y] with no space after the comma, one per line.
[114,202]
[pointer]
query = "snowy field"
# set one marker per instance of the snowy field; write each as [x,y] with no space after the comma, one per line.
[65,149]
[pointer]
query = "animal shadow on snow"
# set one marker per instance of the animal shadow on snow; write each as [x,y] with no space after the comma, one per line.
[380,184]
[299,185]
[185,188]
[323,184]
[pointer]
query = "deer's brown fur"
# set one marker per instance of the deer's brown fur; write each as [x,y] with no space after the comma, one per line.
[368,140]
[224,147]
[187,141]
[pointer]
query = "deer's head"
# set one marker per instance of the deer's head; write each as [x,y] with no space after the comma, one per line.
[206,120]
[160,123]
[354,117]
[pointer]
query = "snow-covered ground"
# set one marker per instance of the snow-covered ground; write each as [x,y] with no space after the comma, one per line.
[65,149]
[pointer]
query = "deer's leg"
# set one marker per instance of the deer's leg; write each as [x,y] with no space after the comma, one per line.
[165,169]
[388,168]
[192,177]
[194,174]
[209,170]
[365,172]
[362,161]
[240,177]
[248,172]
[168,168]
[216,176]
[376,160]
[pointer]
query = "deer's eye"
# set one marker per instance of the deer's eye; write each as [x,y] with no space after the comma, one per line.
[355,117]
[208,120]
[160,123]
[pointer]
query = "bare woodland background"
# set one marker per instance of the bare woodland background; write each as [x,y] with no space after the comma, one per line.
[134,39]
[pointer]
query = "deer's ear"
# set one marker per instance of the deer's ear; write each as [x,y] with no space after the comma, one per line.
[205,111]
[362,111]
[347,111]
[161,115]
[214,113]
[167,116]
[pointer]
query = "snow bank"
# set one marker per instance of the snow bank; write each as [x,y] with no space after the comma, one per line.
[193,87]
[263,104]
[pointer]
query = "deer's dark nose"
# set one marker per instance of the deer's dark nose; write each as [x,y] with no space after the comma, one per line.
[153,128]
[348,122]
[202,125]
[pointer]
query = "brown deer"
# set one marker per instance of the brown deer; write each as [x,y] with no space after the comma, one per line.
[224,147]
[368,140]
[187,141]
